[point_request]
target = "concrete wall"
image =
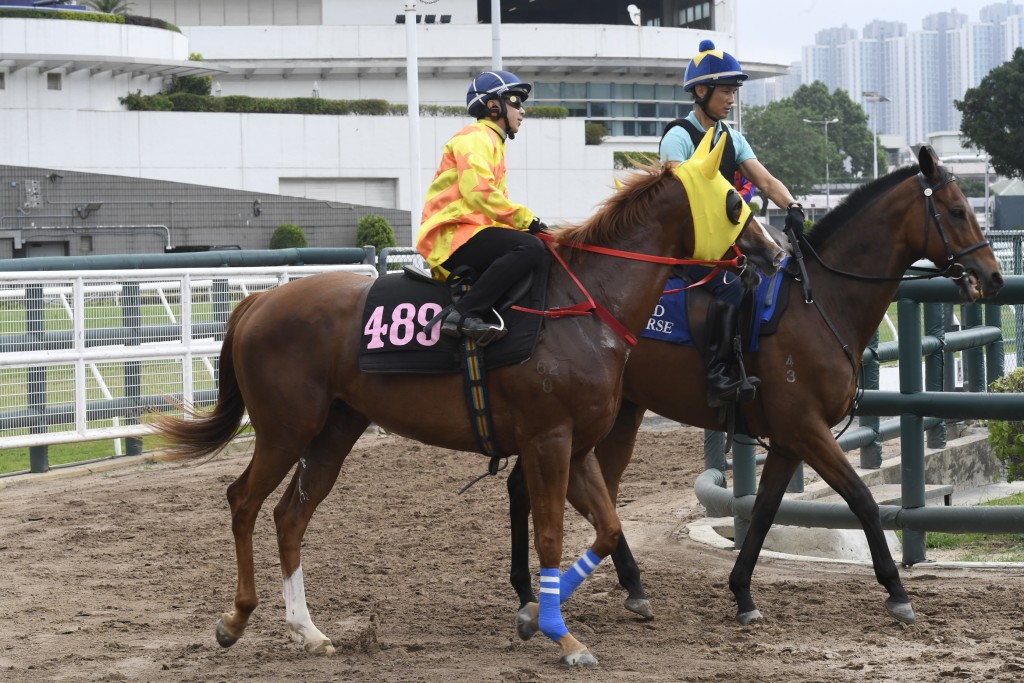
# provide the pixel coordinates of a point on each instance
(551, 170)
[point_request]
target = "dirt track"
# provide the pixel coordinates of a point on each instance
(121, 576)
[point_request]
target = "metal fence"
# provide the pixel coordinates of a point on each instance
(83, 354)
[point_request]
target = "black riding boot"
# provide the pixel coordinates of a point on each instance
(727, 379)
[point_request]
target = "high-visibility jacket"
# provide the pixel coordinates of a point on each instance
(468, 194)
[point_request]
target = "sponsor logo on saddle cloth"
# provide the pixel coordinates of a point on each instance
(714, 230)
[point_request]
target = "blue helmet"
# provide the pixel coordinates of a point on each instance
(712, 67)
(491, 84)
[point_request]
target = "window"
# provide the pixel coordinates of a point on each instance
(3, 81)
(53, 81)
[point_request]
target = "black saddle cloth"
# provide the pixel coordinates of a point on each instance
(398, 309)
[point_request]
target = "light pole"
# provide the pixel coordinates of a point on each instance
(825, 122)
(875, 98)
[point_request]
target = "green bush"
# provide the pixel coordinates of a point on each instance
(594, 133)
(547, 112)
(288, 236)
(375, 230)
(1007, 436)
(194, 85)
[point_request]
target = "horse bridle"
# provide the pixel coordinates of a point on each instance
(952, 269)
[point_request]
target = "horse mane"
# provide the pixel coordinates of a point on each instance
(621, 212)
(855, 202)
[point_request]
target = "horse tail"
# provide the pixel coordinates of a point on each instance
(207, 433)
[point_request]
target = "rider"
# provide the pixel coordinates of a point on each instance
(713, 77)
(468, 218)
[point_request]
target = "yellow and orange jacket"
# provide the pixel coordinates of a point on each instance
(468, 194)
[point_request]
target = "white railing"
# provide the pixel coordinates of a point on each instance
(84, 354)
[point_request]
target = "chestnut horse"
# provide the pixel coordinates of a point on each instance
(291, 359)
(857, 255)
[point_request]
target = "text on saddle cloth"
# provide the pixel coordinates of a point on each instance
(669, 322)
(395, 338)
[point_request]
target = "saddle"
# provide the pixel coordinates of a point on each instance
(761, 312)
(398, 336)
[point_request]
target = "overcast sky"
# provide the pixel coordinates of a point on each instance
(774, 32)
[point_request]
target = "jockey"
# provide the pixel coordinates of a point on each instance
(468, 219)
(713, 77)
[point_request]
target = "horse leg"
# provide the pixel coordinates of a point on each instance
(614, 453)
(775, 477)
(519, 521)
(546, 465)
(835, 469)
(313, 480)
(267, 469)
(588, 494)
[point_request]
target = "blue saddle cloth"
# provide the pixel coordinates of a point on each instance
(669, 323)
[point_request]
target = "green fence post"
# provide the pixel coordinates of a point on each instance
(871, 453)
(744, 483)
(974, 358)
(934, 363)
(994, 352)
(911, 434)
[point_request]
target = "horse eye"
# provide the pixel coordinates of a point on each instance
(958, 212)
(734, 206)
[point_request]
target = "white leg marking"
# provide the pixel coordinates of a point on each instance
(300, 626)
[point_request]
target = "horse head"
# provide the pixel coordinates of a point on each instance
(961, 248)
(720, 216)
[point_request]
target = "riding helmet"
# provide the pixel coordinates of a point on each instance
(491, 84)
(713, 67)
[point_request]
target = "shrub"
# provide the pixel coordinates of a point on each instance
(594, 133)
(288, 236)
(1007, 436)
(547, 112)
(195, 85)
(375, 230)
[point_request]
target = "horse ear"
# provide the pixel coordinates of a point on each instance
(711, 165)
(704, 148)
(928, 161)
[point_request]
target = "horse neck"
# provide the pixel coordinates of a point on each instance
(630, 288)
(877, 242)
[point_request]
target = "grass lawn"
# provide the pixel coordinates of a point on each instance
(982, 547)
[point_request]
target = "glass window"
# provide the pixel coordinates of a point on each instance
(644, 91)
(666, 110)
(599, 109)
(623, 109)
(622, 91)
(646, 109)
(648, 128)
(664, 92)
(576, 108)
(3, 84)
(53, 81)
(574, 91)
(600, 91)
(629, 128)
(546, 91)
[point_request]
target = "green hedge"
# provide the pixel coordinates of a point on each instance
(288, 236)
(99, 17)
(242, 104)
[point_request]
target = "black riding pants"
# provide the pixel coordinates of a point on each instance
(502, 257)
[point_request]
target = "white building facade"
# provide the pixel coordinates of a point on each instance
(624, 76)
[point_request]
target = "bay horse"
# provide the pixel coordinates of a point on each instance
(857, 255)
(290, 357)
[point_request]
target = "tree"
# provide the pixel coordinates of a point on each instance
(795, 152)
(993, 116)
(109, 6)
(288, 236)
(375, 230)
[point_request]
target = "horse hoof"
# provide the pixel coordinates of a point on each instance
(747, 617)
(583, 658)
(324, 647)
(901, 611)
(641, 606)
(223, 637)
(526, 621)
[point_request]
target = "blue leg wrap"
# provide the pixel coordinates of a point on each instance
(577, 574)
(549, 617)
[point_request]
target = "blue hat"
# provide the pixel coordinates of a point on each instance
(490, 84)
(712, 67)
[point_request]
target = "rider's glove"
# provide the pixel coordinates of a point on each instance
(536, 226)
(795, 219)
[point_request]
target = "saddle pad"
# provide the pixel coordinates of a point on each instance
(669, 322)
(399, 307)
